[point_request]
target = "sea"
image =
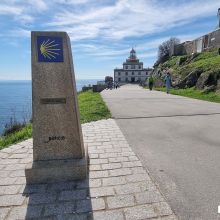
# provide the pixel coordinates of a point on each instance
(16, 100)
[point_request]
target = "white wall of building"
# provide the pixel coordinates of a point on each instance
(133, 67)
(123, 73)
(127, 76)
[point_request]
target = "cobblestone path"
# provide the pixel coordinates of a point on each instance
(117, 188)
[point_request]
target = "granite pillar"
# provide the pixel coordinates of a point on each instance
(58, 150)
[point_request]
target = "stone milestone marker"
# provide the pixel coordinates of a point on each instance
(58, 150)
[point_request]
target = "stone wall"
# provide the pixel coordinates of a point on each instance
(189, 47)
(203, 43)
(98, 88)
(178, 49)
(214, 39)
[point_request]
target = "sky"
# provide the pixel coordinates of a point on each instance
(102, 32)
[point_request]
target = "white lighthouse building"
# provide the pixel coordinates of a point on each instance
(132, 70)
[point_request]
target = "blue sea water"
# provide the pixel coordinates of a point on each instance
(16, 98)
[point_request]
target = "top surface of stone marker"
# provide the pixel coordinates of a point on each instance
(57, 130)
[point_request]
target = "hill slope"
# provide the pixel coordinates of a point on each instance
(201, 71)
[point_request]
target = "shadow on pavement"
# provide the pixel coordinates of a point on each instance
(63, 200)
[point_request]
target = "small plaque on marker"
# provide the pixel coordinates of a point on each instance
(53, 101)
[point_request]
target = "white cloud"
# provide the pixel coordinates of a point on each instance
(6, 10)
(24, 19)
(38, 4)
(22, 11)
(73, 2)
(120, 52)
(130, 18)
(116, 21)
(18, 33)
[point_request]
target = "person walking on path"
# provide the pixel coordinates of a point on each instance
(116, 85)
(168, 81)
(151, 82)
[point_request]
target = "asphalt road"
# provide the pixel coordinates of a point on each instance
(178, 141)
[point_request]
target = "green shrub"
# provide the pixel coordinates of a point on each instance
(182, 59)
(13, 126)
(12, 138)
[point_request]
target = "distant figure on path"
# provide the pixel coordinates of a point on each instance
(116, 85)
(168, 81)
(151, 83)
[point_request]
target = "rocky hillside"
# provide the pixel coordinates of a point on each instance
(201, 71)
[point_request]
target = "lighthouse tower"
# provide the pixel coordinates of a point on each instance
(133, 56)
(132, 70)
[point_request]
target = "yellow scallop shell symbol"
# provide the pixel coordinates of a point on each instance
(49, 49)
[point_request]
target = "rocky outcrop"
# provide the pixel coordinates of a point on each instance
(190, 80)
(209, 78)
(208, 89)
(202, 81)
(218, 85)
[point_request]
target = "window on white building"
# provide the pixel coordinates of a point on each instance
(139, 66)
(133, 67)
(126, 67)
(119, 73)
(126, 73)
(132, 73)
(119, 79)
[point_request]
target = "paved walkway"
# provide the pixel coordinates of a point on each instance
(177, 139)
(118, 188)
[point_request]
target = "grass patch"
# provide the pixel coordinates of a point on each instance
(23, 134)
(172, 62)
(193, 93)
(91, 108)
(210, 63)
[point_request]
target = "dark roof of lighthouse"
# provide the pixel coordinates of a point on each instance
(133, 51)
